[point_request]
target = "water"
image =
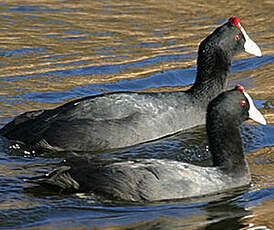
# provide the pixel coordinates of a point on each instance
(56, 51)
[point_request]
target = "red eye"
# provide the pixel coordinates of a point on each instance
(243, 102)
(237, 37)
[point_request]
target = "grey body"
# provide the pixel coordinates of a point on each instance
(146, 179)
(164, 180)
(126, 118)
(121, 119)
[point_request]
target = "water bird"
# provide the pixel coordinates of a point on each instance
(120, 119)
(142, 180)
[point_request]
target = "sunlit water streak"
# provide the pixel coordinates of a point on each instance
(55, 51)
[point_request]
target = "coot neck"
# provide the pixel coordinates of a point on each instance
(225, 145)
(213, 69)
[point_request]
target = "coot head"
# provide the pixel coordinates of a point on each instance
(231, 39)
(215, 55)
(225, 114)
(233, 107)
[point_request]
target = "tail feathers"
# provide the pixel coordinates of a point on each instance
(12, 126)
(59, 177)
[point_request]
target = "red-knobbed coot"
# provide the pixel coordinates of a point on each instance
(154, 179)
(120, 119)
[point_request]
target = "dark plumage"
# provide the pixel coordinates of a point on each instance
(154, 179)
(120, 119)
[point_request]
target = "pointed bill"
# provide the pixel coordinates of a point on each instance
(254, 113)
(250, 46)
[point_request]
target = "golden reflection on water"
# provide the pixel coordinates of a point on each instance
(262, 217)
(262, 173)
(69, 35)
(120, 24)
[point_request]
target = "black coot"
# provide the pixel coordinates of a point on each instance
(153, 179)
(120, 119)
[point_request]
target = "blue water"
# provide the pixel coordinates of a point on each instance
(54, 52)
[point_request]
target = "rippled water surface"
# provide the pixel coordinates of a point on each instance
(56, 51)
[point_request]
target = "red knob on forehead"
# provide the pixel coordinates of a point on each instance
(240, 88)
(235, 21)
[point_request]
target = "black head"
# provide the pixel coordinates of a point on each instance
(225, 114)
(230, 39)
(233, 107)
(215, 55)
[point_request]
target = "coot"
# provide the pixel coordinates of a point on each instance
(120, 119)
(153, 179)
